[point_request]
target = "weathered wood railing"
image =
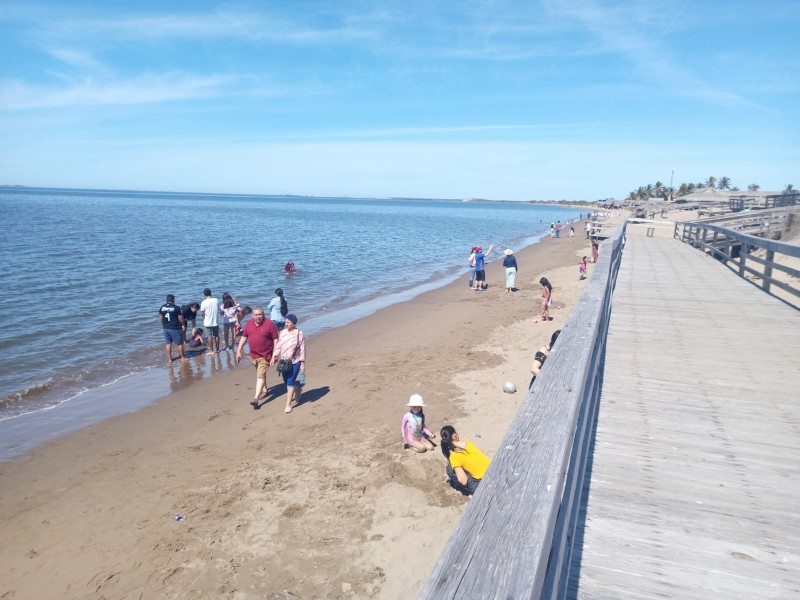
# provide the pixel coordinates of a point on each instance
(764, 223)
(515, 539)
(740, 252)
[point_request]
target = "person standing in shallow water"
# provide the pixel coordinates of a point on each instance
(173, 326)
(210, 311)
(510, 263)
(278, 309)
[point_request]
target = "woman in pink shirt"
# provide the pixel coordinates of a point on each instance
(291, 346)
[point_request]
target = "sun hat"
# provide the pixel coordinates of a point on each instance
(292, 317)
(415, 400)
(508, 252)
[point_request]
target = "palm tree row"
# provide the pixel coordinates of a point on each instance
(659, 190)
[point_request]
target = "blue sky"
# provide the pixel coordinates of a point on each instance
(550, 99)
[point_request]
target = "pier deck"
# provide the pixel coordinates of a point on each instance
(694, 488)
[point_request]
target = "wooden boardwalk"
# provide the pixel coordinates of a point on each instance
(694, 482)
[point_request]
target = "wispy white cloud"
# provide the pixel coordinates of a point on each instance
(79, 59)
(241, 25)
(16, 95)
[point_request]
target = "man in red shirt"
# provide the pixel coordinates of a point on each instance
(261, 335)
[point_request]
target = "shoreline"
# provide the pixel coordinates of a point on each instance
(319, 502)
(22, 433)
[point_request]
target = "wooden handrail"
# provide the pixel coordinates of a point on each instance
(515, 538)
(724, 241)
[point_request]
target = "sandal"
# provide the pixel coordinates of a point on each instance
(254, 403)
(288, 409)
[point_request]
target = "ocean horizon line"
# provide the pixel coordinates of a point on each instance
(15, 187)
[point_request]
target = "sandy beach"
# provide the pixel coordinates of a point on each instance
(320, 503)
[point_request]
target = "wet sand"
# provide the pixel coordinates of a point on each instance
(320, 503)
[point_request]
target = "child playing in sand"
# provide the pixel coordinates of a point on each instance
(582, 269)
(196, 339)
(415, 435)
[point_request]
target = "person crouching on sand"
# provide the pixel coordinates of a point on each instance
(466, 465)
(415, 435)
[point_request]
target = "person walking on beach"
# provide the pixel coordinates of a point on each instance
(582, 269)
(547, 298)
(558, 229)
(480, 267)
(471, 261)
(292, 347)
(510, 263)
(595, 252)
(278, 309)
(173, 326)
(261, 335)
(415, 435)
(588, 229)
(571, 232)
(210, 311)
(466, 465)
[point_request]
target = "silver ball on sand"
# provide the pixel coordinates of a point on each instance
(509, 387)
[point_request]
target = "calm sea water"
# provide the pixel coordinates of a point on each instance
(85, 272)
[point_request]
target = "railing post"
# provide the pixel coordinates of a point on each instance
(714, 244)
(768, 270)
(742, 255)
(705, 232)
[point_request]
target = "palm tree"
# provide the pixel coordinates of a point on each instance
(734, 189)
(724, 183)
(700, 185)
(789, 188)
(753, 187)
(711, 182)
(658, 189)
(649, 188)
(691, 187)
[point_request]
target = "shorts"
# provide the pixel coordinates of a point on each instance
(262, 366)
(291, 377)
(480, 275)
(467, 490)
(173, 336)
(228, 326)
(212, 331)
(278, 324)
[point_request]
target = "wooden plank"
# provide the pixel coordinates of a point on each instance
(692, 489)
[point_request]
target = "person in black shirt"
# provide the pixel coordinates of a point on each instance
(173, 326)
(189, 312)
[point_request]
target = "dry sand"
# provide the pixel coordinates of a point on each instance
(321, 503)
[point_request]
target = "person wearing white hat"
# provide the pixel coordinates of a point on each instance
(510, 263)
(415, 435)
